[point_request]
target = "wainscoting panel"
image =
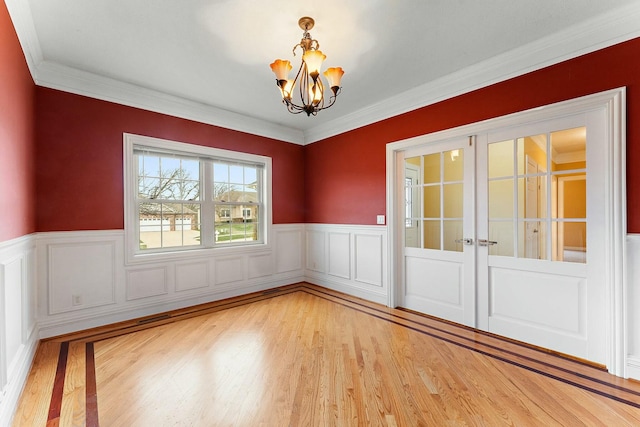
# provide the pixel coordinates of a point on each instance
(146, 282)
(229, 270)
(81, 275)
(260, 265)
(368, 259)
(348, 258)
(632, 298)
(289, 249)
(515, 295)
(316, 255)
(192, 275)
(339, 259)
(82, 269)
(18, 337)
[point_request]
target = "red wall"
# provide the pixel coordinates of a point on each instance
(345, 174)
(339, 180)
(79, 182)
(17, 207)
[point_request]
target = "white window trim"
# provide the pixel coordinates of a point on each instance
(132, 253)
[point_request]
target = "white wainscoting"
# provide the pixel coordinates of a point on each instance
(632, 299)
(83, 281)
(348, 258)
(18, 322)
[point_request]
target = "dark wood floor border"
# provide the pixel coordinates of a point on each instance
(91, 398)
(489, 336)
(603, 393)
(55, 405)
(347, 301)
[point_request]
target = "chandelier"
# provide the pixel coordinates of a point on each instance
(308, 81)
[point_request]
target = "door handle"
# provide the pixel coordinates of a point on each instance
(485, 242)
(466, 241)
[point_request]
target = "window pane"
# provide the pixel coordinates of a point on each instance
(431, 168)
(148, 188)
(237, 223)
(236, 174)
(431, 234)
(569, 149)
(149, 165)
(570, 241)
(169, 164)
(501, 232)
(220, 172)
(454, 165)
(164, 225)
(530, 242)
(452, 232)
(572, 194)
(412, 233)
(453, 199)
(501, 199)
(500, 160)
(432, 201)
(532, 154)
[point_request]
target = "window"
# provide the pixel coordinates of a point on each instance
(181, 197)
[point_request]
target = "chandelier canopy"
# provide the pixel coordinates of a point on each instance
(308, 81)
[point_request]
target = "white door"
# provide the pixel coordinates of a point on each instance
(503, 255)
(439, 272)
(541, 275)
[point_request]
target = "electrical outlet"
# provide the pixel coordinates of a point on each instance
(76, 299)
(380, 220)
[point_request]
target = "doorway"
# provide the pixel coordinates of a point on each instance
(518, 237)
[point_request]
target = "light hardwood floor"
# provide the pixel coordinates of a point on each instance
(303, 355)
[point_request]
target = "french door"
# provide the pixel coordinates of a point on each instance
(507, 230)
(439, 262)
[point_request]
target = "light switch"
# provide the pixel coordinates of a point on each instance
(380, 219)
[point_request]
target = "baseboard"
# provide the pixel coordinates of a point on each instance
(17, 380)
(76, 322)
(347, 288)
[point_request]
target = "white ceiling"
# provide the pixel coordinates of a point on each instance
(209, 60)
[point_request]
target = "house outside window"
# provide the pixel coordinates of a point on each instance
(182, 197)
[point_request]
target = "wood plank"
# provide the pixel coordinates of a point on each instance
(305, 355)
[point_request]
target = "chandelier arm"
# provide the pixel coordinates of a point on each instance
(332, 99)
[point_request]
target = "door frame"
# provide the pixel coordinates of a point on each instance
(613, 103)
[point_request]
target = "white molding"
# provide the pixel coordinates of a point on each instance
(80, 82)
(15, 370)
(632, 307)
(353, 284)
(614, 27)
(605, 30)
(152, 296)
(633, 367)
(17, 380)
(613, 103)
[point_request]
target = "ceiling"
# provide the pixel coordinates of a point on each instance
(209, 60)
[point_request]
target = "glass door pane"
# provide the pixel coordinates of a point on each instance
(537, 196)
(434, 207)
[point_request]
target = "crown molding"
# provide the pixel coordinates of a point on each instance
(605, 30)
(71, 80)
(20, 13)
